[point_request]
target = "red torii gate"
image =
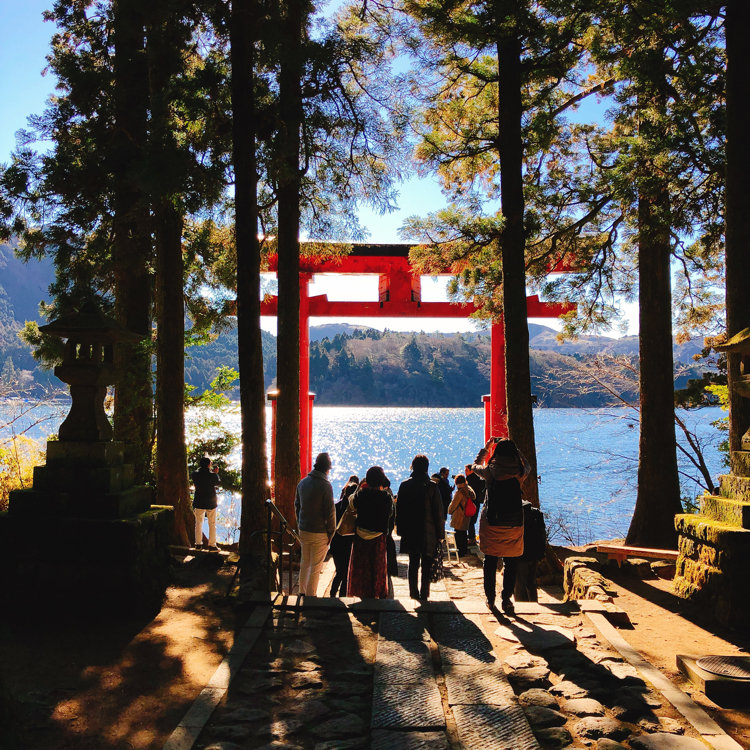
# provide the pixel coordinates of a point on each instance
(400, 296)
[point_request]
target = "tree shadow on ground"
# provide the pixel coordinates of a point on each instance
(307, 678)
(110, 681)
(611, 681)
(697, 614)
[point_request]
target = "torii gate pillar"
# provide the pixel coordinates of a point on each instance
(399, 295)
(495, 402)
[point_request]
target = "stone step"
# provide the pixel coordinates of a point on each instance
(726, 510)
(740, 463)
(737, 488)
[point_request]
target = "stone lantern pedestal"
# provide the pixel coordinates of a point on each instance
(713, 566)
(85, 537)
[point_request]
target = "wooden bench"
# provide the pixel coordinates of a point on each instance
(621, 552)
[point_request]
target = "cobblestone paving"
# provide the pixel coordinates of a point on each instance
(343, 678)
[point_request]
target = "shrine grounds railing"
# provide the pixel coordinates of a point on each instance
(284, 545)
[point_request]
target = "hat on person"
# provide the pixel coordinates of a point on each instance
(322, 462)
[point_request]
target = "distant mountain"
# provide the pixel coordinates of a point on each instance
(25, 284)
(351, 364)
(543, 338)
(329, 330)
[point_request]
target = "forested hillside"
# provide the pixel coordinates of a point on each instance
(361, 366)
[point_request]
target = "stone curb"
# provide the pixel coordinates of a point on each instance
(197, 716)
(708, 729)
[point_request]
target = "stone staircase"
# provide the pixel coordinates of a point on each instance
(713, 566)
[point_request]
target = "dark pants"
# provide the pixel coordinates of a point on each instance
(526, 581)
(473, 524)
(462, 543)
(415, 560)
(510, 566)
(341, 550)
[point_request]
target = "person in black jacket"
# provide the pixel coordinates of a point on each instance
(205, 480)
(420, 521)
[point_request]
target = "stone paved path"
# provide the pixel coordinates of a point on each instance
(396, 675)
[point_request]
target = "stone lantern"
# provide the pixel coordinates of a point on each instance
(740, 344)
(85, 533)
(88, 369)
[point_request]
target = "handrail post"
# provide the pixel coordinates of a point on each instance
(282, 524)
(269, 561)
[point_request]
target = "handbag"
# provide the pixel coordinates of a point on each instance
(470, 510)
(348, 523)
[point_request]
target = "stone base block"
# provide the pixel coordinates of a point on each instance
(99, 453)
(33, 503)
(713, 567)
(737, 488)
(80, 567)
(726, 510)
(83, 480)
(740, 463)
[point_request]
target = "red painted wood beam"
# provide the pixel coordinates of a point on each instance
(380, 259)
(321, 307)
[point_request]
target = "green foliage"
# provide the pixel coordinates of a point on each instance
(721, 392)
(18, 457)
(206, 435)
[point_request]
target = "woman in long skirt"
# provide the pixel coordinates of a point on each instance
(368, 571)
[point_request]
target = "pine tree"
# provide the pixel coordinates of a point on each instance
(503, 74)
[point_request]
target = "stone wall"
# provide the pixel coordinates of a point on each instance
(713, 566)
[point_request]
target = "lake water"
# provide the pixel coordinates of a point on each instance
(587, 459)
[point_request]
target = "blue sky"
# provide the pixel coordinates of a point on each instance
(24, 91)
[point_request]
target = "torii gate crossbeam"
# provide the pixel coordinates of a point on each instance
(400, 295)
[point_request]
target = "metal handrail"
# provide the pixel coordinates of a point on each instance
(272, 509)
(284, 528)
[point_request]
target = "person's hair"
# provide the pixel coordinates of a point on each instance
(420, 463)
(349, 489)
(444, 470)
(467, 468)
(375, 477)
(506, 448)
(205, 462)
(353, 479)
(460, 479)
(322, 462)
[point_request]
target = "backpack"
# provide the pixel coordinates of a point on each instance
(504, 502)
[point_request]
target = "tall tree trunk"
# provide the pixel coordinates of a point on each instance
(287, 469)
(171, 455)
(738, 206)
(132, 249)
(513, 250)
(249, 343)
(658, 498)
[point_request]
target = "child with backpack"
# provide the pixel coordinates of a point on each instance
(503, 468)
